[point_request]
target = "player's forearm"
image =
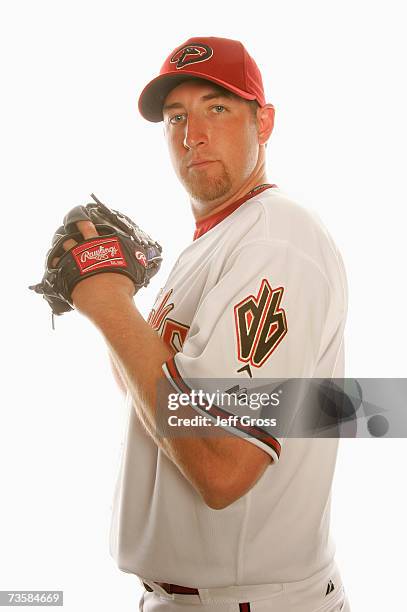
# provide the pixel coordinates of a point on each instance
(207, 463)
(117, 375)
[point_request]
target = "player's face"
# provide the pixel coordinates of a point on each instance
(212, 139)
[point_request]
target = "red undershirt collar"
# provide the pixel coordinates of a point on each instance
(205, 225)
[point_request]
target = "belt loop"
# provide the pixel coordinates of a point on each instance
(204, 596)
(154, 586)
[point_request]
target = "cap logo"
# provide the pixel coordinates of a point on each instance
(191, 54)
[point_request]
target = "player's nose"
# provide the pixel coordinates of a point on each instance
(195, 133)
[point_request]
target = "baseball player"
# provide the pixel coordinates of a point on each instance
(238, 521)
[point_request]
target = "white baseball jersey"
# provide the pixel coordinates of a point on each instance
(260, 292)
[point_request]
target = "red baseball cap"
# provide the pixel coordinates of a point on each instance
(220, 60)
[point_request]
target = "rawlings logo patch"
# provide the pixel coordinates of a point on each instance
(260, 325)
(191, 54)
(98, 253)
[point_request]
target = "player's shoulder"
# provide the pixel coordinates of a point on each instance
(281, 218)
(276, 227)
(285, 218)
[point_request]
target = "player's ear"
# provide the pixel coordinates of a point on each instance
(265, 122)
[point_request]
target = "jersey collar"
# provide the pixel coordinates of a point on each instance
(208, 223)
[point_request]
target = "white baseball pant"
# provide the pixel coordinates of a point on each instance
(322, 592)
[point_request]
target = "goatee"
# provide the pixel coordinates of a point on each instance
(203, 187)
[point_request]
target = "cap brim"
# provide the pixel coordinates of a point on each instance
(152, 97)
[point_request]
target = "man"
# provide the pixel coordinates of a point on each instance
(239, 519)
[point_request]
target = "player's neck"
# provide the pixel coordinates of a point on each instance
(202, 210)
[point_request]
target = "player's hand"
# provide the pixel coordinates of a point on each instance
(102, 290)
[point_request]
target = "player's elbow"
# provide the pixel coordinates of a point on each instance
(218, 498)
(226, 470)
(226, 490)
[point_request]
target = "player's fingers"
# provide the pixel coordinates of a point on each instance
(87, 229)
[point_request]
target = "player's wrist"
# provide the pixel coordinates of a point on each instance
(103, 294)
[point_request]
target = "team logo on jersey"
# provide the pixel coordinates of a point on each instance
(191, 54)
(260, 324)
(171, 331)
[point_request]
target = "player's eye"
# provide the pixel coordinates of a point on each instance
(219, 108)
(176, 119)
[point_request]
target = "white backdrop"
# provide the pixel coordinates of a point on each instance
(71, 73)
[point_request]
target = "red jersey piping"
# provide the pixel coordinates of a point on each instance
(205, 225)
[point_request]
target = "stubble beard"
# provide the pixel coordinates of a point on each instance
(203, 187)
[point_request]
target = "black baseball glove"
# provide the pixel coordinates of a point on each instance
(121, 247)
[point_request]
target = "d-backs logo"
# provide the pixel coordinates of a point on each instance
(191, 54)
(172, 332)
(260, 324)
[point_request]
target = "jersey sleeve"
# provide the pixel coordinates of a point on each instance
(263, 319)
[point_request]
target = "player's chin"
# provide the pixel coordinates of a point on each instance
(208, 193)
(207, 188)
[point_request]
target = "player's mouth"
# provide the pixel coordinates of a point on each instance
(200, 163)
